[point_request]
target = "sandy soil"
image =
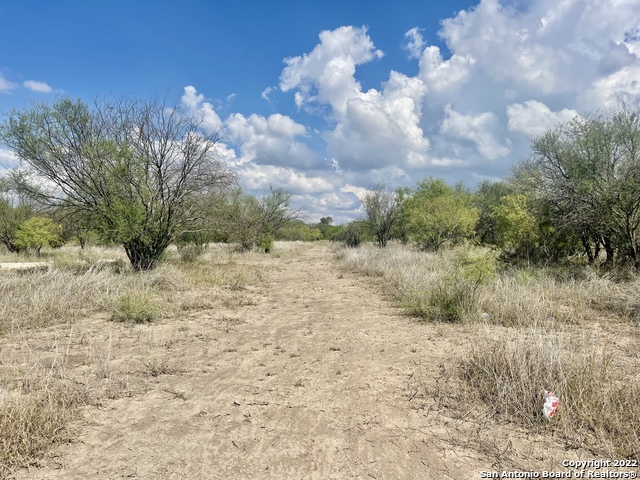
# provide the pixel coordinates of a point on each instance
(316, 375)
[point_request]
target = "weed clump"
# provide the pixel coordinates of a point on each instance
(137, 307)
(32, 421)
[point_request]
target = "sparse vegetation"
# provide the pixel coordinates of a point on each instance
(506, 371)
(33, 420)
(508, 375)
(37, 404)
(522, 266)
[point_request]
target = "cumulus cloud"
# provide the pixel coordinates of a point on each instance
(35, 86)
(326, 74)
(271, 141)
(372, 128)
(510, 70)
(196, 105)
(263, 150)
(259, 177)
(440, 75)
(533, 118)
(546, 47)
(480, 129)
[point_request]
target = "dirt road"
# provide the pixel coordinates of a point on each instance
(311, 379)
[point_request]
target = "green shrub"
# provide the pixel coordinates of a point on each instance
(455, 295)
(136, 307)
(266, 243)
(38, 232)
(353, 234)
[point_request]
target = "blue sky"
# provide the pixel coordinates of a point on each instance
(329, 98)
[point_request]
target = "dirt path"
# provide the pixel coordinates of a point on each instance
(311, 381)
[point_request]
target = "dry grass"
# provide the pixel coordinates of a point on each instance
(519, 296)
(532, 336)
(509, 374)
(37, 403)
(31, 423)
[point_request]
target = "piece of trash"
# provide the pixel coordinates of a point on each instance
(551, 404)
(485, 316)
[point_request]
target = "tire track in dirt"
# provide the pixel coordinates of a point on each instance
(311, 382)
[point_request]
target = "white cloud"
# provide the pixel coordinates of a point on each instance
(533, 118)
(415, 43)
(342, 207)
(439, 74)
(545, 47)
(326, 74)
(623, 83)
(480, 129)
(372, 128)
(271, 140)
(196, 105)
(359, 192)
(6, 86)
(35, 86)
(259, 177)
(266, 92)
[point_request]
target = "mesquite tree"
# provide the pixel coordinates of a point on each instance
(587, 173)
(382, 210)
(137, 169)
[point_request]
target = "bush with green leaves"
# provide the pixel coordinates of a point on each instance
(353, 234)
(438, 214)
(38, 232)
(13, 212)
(455, 295)
(138, 171)
(266, 243)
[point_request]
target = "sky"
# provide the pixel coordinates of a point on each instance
(327, 99)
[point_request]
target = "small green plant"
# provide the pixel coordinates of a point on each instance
(136, 307)
(299, 383)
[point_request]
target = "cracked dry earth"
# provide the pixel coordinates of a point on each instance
(311, 378)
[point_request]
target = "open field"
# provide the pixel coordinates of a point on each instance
(301, 364)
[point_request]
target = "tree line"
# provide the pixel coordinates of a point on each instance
(576, 194)
(144, 175)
